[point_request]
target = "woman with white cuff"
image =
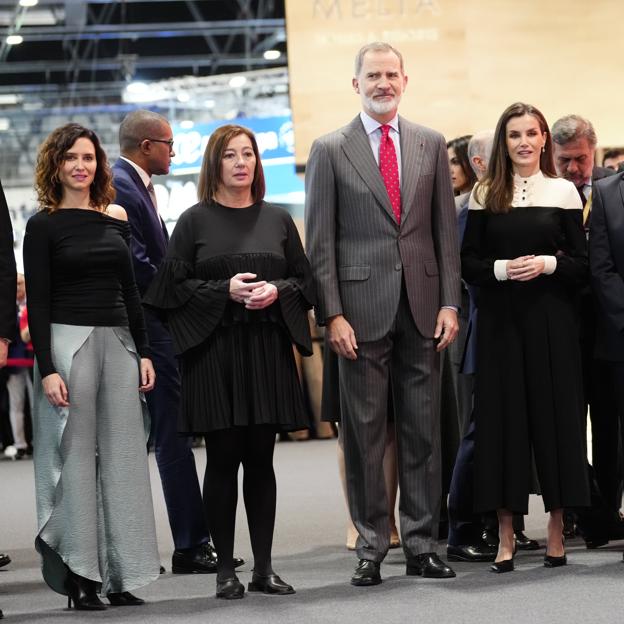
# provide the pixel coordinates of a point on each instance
(525, 249)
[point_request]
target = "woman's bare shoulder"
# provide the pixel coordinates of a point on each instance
(117, 212)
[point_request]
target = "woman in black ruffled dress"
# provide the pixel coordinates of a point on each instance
(525, 248)
(237, 287)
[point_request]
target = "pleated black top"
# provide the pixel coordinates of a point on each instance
(237, 364)
(79, 272)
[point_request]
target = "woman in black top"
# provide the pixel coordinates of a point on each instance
(237, 286)
(94, 506)
(524, 247)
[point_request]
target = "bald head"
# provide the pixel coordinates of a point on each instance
(138, 125)
(146, 139)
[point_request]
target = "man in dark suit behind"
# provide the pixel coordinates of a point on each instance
(606, 257)
(8, 285)
(146, 143)
(574, 142)
(381, 235)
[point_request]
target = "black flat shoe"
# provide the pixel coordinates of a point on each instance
(555, 562)
(428, 565)
(81, 592)
(471, 552)
(124, 599)
(4, 560)
(523, 542)
(230, 589)
(500, 567)
(271, 584)
(366, 573)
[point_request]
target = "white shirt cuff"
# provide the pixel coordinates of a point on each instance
(550, 264)
(500, 270)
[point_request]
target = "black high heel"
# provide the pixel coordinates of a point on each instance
(500, 567)
(506, 565)
(555, 562)
(82, 593)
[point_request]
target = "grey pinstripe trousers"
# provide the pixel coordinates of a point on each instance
(413, 365)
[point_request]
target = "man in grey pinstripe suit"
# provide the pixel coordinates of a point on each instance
(388, 291)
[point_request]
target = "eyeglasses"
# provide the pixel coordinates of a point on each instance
(169, 142)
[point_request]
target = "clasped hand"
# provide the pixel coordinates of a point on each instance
(525, 268)
(254, 295)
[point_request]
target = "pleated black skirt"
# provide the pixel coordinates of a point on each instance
(243, 374)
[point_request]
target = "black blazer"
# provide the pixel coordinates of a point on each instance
(7, 272)
(606, 257)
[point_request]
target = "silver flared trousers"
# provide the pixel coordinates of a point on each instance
(94, 501)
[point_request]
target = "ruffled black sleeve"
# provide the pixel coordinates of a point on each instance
(194, 307)
(296, 292)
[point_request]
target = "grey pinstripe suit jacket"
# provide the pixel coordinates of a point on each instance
(358, 251)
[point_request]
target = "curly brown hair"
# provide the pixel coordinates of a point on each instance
(50, 157)
(210, 173)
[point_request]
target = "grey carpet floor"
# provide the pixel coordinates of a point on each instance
(309, 552)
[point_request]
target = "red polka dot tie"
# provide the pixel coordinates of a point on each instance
(389, 168)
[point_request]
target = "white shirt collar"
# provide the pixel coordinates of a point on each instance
(145, 177)
(370, 124)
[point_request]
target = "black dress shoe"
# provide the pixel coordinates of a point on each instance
(524, 542)
(500, 567)
(81, 592)
(201, 560)
(428, 565)
(124, 599)
(162, 569)
(271, 584)
(230, 589)
(366, 573)
(1, 614)
(4, 560)
(490, 537)
(471, 552)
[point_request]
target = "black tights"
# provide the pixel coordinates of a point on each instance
(226, 449)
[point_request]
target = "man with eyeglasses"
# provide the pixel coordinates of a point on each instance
(146, 143)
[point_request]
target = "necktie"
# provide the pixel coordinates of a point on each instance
(389, 169)
(152, 194)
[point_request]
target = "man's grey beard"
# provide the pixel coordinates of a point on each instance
(381, 108)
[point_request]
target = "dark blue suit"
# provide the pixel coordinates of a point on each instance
(465, 527)
(174, 456)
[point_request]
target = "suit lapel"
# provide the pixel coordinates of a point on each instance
(621, 185)
(412, 150)
(358, 150)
